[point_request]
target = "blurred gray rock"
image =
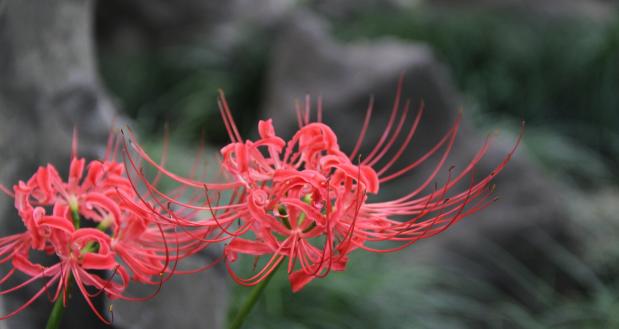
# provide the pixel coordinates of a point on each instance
(306, 60)
(186, 301)
(49, 86)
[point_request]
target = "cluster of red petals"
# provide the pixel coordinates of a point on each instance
(93, 229)
(306, 204)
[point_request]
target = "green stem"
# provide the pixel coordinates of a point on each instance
(251, 300)
(53, 322)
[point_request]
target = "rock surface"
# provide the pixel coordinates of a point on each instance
(49, 86)
(198, 300)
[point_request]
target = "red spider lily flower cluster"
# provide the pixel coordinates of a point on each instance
(94, 229)
(307, 204)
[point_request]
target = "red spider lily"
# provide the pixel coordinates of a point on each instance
(306, 202)
(128, 243)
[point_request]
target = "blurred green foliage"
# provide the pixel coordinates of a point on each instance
(180, 85)
(558, 73)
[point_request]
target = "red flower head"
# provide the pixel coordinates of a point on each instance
(127, 242)
(307, 203)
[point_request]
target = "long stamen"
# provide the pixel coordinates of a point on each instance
(394, 137)
(227, 113)
(390, 122)
(364, 128)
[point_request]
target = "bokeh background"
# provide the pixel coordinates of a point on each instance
(545, 256)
